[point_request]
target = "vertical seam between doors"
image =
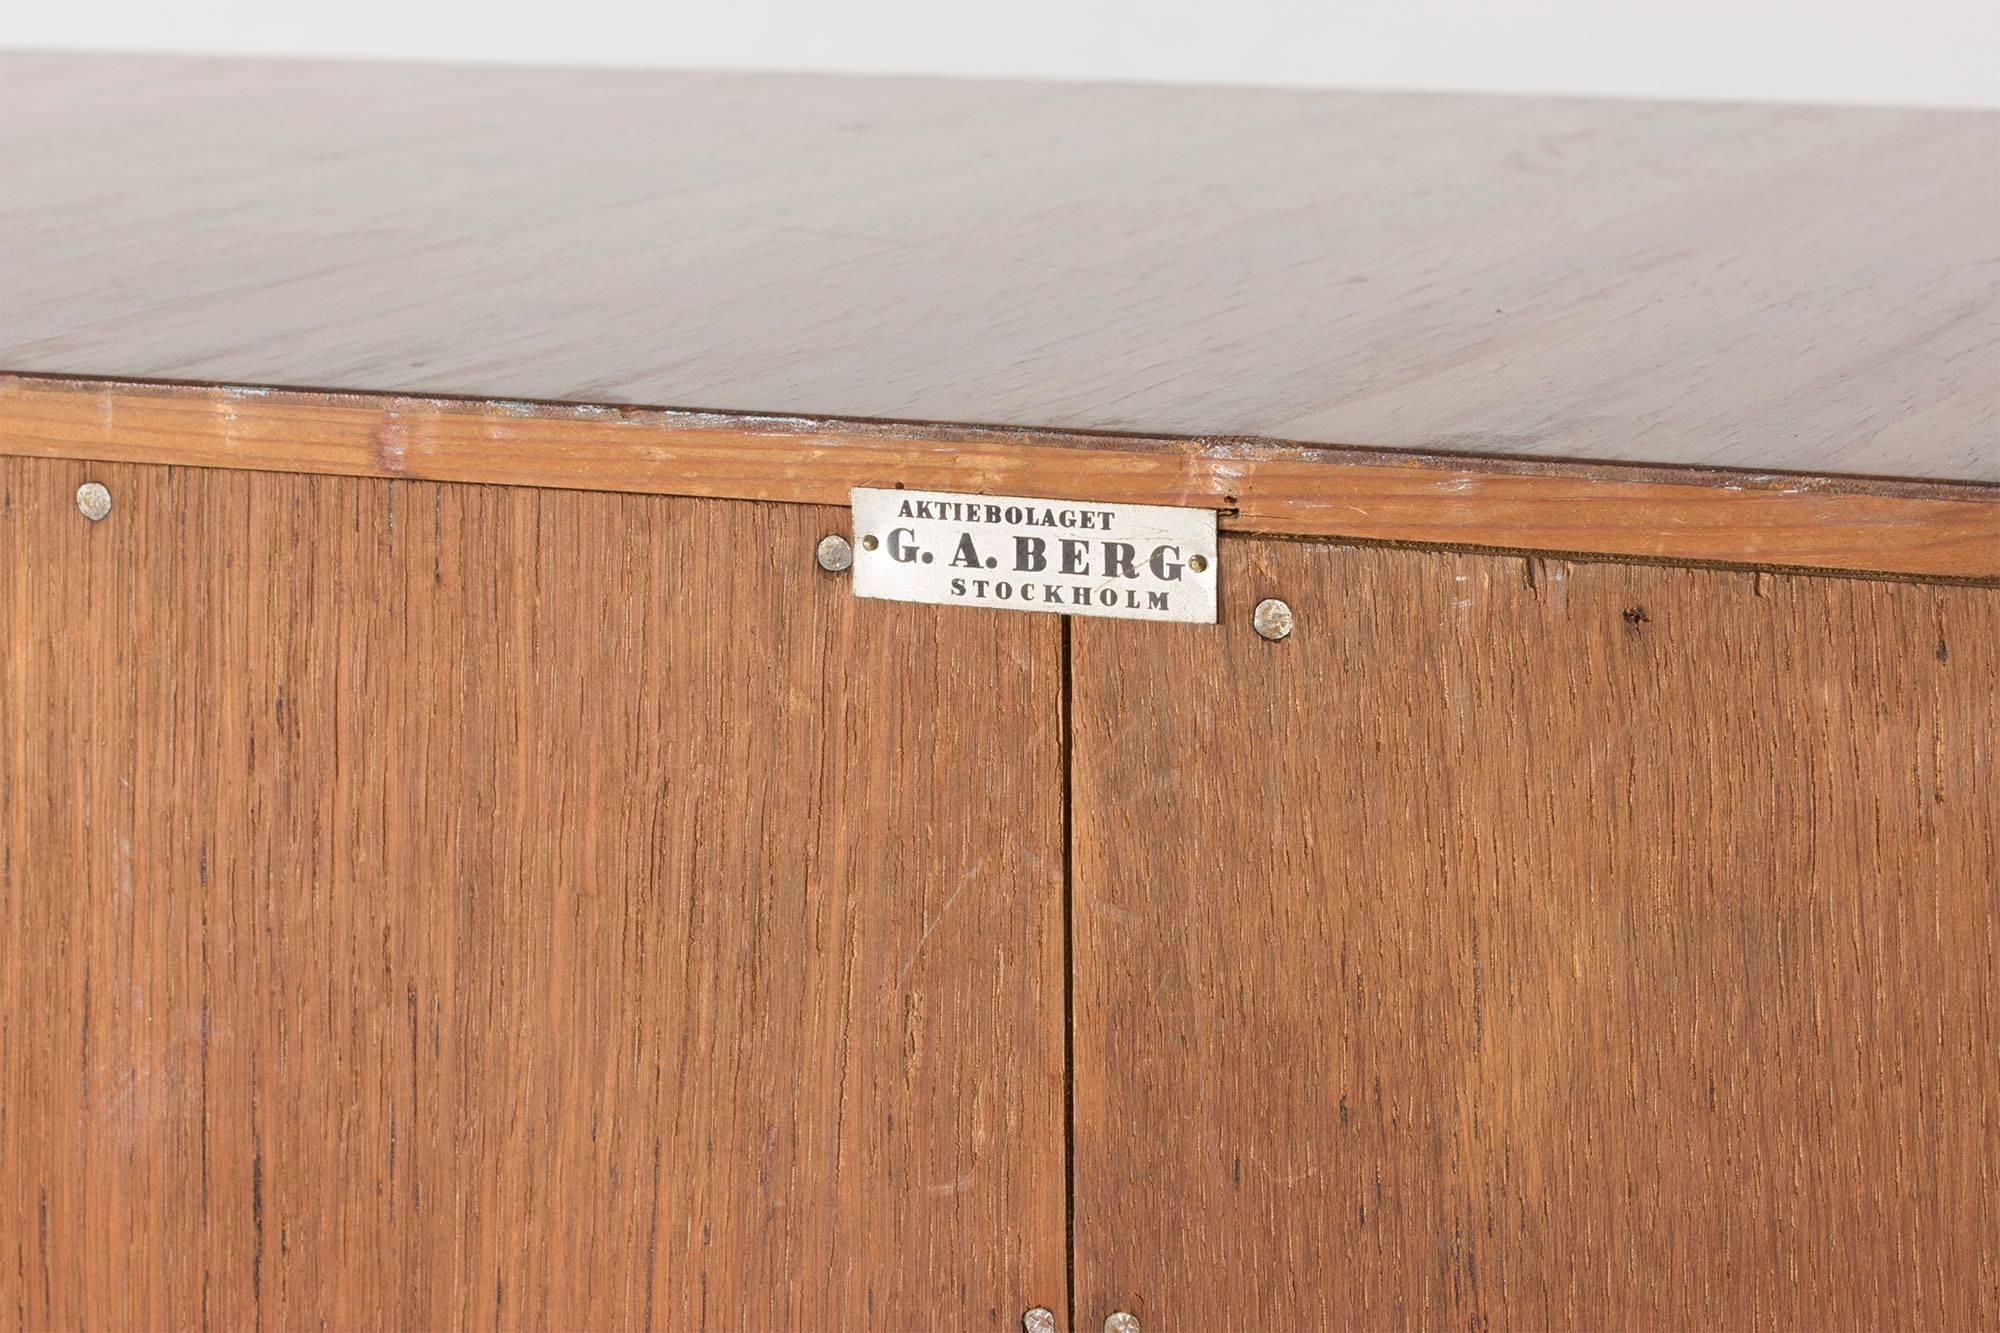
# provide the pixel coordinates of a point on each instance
(1069, 992)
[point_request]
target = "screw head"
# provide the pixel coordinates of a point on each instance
(1272, 619)
(1041, 1319)
(834, 554)
(1122, 1322)
(93, 501)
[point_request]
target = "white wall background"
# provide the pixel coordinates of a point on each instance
(1915, 52)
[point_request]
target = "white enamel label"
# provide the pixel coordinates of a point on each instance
(1012, 553)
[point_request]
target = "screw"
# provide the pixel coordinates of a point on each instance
(834, 554)
(1122, 1323)
(1198, 563)
(1272, 619)
(1039, 1320)
(93, 501)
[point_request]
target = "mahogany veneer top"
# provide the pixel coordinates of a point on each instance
(1764, 287)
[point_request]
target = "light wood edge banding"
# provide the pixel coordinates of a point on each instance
(1789, 521)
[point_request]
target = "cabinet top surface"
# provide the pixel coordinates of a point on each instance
(1774, 288)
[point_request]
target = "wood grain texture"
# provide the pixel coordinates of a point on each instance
(433, 906)
(1776, 288)
(1915, 528)
(1534, 945)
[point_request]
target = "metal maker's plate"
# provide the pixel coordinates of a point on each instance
(1012, 553)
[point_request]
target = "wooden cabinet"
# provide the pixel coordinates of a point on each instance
(465, 863)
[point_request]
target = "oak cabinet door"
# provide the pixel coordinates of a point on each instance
(1531, 944)
(432, 905)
